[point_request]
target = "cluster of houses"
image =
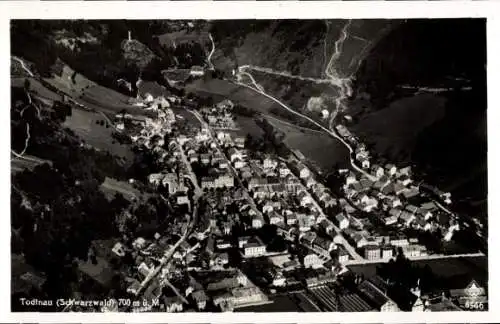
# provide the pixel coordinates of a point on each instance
(287, 196)
(146, 255)
(397, 200)
(230, 289)
(220, 116)
(392, 194)
(149, 132)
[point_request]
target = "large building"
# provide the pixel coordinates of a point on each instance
(376, 297)
(254, 247)
(312, 260)
(372, 252)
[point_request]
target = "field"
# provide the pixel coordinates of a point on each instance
(221, 89)
(111, 186)
(393, 130)
(84, 124)
(183, 36)
(294, 92)
(36, 88)
(90, 94)
(153, 88)
(247, 126)
(186, 116)
(27, 162)
(320, 148)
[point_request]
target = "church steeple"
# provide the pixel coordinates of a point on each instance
(418, 305)
(416, 291)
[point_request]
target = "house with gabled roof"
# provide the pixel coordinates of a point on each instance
(342, 221)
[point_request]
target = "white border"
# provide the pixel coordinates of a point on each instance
(262, 10)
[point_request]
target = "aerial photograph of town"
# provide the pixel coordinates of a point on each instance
(248, 165)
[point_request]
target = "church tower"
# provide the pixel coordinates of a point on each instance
(418, 305)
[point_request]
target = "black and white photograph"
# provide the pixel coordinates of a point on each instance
(277, 165)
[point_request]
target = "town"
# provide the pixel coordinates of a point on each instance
(172, 190)
(259, 224)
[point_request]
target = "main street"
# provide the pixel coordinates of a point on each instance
(246, 194)
(344, 242)
(191, 222)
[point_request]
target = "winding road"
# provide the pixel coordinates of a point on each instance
(326, 130)
(30, 73)
(209, 59)
(24, 67)
(344, 84)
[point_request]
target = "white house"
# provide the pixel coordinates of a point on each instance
(235, 154)
(391, 169)
(304, 172)
(197, 71)
(342, 221)
(118, 249)
(379, 172)
(257, 222)
(312, 260)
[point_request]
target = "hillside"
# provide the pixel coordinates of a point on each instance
(80, 45)
(442, 133)
(297, 48)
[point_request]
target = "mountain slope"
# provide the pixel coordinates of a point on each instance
(446, 129)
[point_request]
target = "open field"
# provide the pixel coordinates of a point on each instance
(84, 124)
(186, 116)
(111, 186)
(320, 148)
(393, 130)
(90, 94)
(183, 36)
(153, 88)
(222, 89)
(36, 87)
(247, 126)
(26, 162)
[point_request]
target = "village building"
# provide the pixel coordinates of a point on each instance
(312, 260)
(377, 297)
(372, 252)
(254, 247)
(342, 221)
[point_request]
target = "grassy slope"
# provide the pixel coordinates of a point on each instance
(446, 140)
(83, 123)
(394, 130)
(320, 148)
